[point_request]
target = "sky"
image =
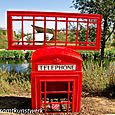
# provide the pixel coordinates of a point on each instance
(35, 5)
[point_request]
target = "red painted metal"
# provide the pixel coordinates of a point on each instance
(56, 85)
(83, 26)
(56, 77)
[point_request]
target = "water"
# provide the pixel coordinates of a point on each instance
(15, 67)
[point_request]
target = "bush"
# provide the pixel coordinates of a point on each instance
(28, 55)
(113, 44)
(13, 83)
(96, 79)
(15, 55)
(109, 91)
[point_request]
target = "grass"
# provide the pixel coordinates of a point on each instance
(96, 80)
(13, 83)
(3, 39)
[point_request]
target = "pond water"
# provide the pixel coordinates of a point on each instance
(15, 67)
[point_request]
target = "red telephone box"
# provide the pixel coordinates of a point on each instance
(56, 77)
(56, 74)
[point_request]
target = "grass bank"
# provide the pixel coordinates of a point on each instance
(96, 81)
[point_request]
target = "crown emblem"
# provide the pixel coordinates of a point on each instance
(57, 61)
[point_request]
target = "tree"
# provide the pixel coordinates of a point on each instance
(104, 7)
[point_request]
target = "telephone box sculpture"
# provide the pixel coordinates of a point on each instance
(56, 77)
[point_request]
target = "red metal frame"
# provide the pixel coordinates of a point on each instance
(87, 21)
(48, 85)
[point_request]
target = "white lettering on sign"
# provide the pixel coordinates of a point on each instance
(56, 67)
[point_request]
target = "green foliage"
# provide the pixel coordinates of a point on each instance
(113, 44)
(13, 83)
(96, 79)
(109, 91)
(72, 36)
(104, 7)
(3, 39)
(93, 55)
(110, 54)
(7, 54)
(4, 54)
(3, 32)
(20, 55)
(28, 55)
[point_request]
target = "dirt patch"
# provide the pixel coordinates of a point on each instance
(89, 105)
(97, 106)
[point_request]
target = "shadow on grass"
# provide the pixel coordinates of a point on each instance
(11, 102)
(109, 92)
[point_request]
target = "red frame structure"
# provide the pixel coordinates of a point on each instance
(56, 77)
(87, 21)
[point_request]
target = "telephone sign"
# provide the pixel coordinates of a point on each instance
(56, 67)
